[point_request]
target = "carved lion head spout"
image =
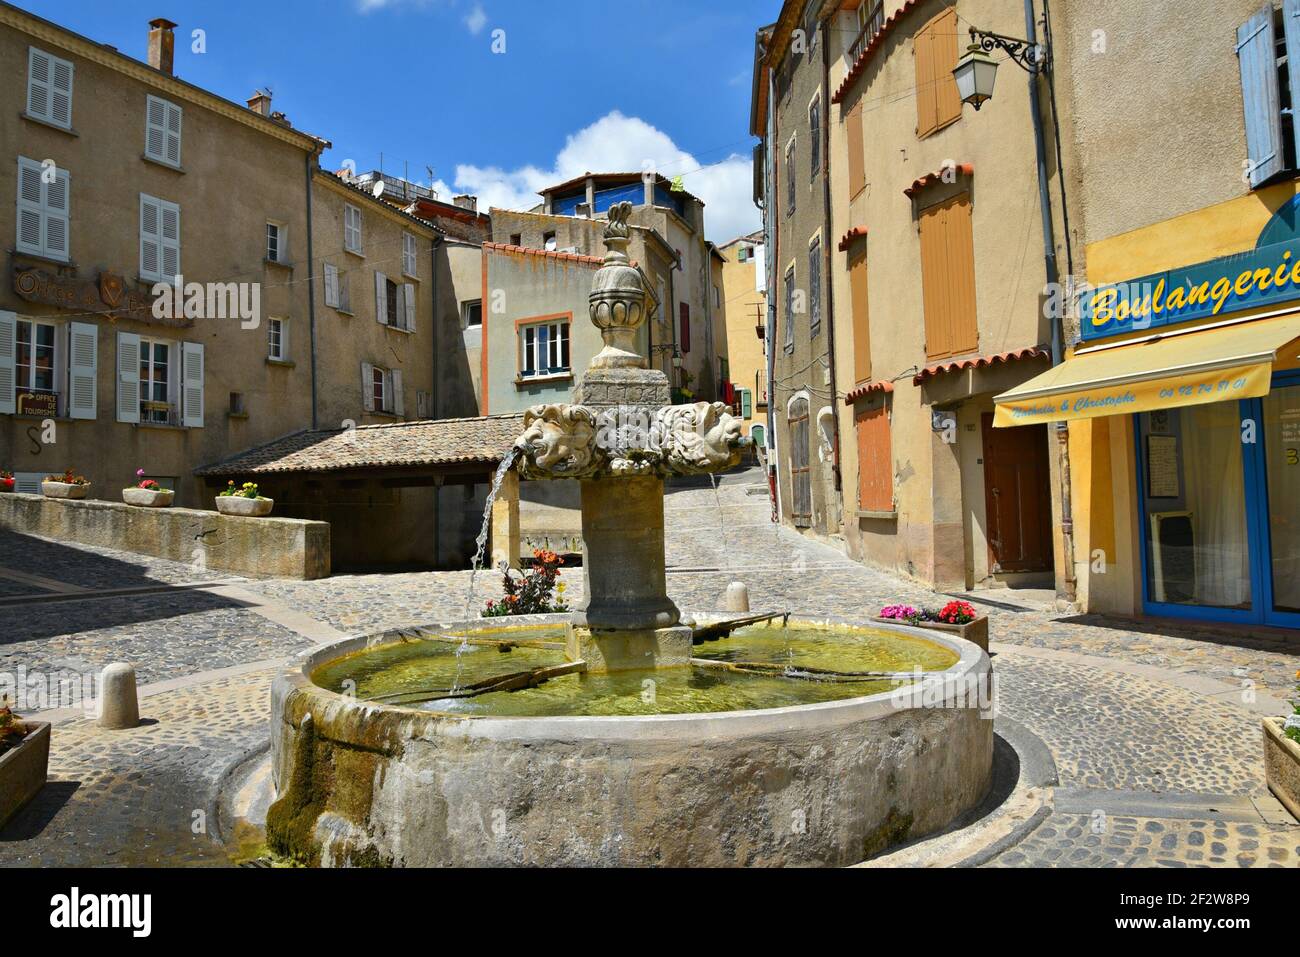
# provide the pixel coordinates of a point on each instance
(703, 437)
(558, 439)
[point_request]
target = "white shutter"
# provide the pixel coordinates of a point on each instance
(171, 240)
(331, 285)
(128, 377)
(352, 229)
(367, 387)
(31, 208)
(28, 482)
(56, 215)
(8, 327)
(381, 297)
(173, 134)
(399, 406)
(408, 254)
(60, 92)
(1261, 95)
(408, 296)
(150, 237)
(38, 83)
(83, 348)
(192, 385)
(155, 127)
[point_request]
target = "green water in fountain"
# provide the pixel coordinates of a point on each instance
(420, 673)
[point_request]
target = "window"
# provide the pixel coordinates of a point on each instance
(160, 239)
(394, 303)
(548, 241)
(352, 229)
(815, 137)
(276, 243)
(861, 325)
(472, 314)
(34, 356)
(42, 210)
(277, 339)
(408, 255)
(875, 458)
(717, 297)
(516, 239)
(155, 404)
(336, 288)
(789, 177)
(948, 278)
(381, 389)
(742, 254)
(855, 145)
(935, 49)
(49, 88)
(237, 403)
(544, 349)
(685, 312)
(789, 309)
(815, 287)
(162, 131)
(1267, 44)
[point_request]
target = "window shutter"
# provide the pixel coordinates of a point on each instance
(155, 127)
(28, 482)
(875, 460)
(331, 285)
(192, 386)
(399, 321)
(173, 137)
(83, 348)
(686, 326)
(408, 254)
(31, 208)
(368, 387)
(38, 83)
(856, 147)
(1291, 28)
(1261, 95)
(60, 92)
(948, 279)
(56, 215)
(171, 239)
(861, 318)
(399, 405)
(381, 297)
(150, 237)
(345, 297)
(8, 331)
(408, 295)
(128, 377)
(352, 228)
(926, 102)
(746, 404)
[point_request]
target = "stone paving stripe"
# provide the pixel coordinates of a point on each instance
(296, 621)
(38, 581)
(1175, 806)
(83, 594)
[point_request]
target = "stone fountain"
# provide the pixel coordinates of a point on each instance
(611, 736)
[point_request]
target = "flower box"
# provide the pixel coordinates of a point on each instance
(1282, 765)
(6, 485)
(64, 489)
(246, 507)
(976, 631)
(148, 497)
(23, 769)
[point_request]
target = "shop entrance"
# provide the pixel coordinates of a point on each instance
(1018, 498)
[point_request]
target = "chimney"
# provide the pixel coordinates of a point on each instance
(160, 44)
(260, 102)
(465, 201)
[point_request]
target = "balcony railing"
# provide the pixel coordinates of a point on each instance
(158, 413)
(874, 23)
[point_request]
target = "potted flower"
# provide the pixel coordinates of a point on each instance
(243, 500)
(6, 481)
(956, 617)
(1282, 755)
(67, 485)
(24, 760)
(147, 493)
(535, 591)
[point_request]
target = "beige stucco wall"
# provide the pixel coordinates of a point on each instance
(744, 309)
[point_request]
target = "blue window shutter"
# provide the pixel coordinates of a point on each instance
(746, 404)
(1256, 43)
(1291, 29)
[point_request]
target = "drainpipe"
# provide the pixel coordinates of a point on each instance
(435, 325)
(770, 228)
(311, 291)
(830, 276)
(1053, 279)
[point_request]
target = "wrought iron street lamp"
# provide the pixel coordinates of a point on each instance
(977, 71)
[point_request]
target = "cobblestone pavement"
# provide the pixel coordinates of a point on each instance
(1114, 730)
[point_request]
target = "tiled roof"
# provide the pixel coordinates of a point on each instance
(981, 362)
(551, 254)
(857, 232)
(959, 169)
(429, 442)
(866, 389)
(876, 42)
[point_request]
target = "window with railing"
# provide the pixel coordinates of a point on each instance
(871, 20)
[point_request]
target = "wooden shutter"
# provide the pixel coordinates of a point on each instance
(856, 147)
(8, 336)
(31, 207)
(399, 403)
(60, 92)
(352, 228)
(367, 387)
(162, 130)
(381, 297)
(170, 239)
(408, 290)
(83, 349)
(948, 278)
(128, 377)
(56, 215)
(935, 50)
(800, 472)
(861, 323)
(686, 326)
(408, 254)
(331, 285)
(1291, 30)
(875, 459)
(814, 287)
(192, 384)
(49, 88)
(746, 404)
(1261, 95)
(150, 237)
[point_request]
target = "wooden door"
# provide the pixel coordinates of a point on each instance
(1018, 498)
(800, 474)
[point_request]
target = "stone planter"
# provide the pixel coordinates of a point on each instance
(976, 632)
(64, 490)
(1282, 765)
(148, 497)
(23, 769)
(247, 507)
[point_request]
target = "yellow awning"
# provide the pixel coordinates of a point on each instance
(1159, 372)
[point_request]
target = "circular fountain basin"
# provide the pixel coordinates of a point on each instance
(749, 757)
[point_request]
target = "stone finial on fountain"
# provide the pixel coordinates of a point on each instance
(617, 303)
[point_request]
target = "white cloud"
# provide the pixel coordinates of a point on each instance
(616, 144)
(476, 20)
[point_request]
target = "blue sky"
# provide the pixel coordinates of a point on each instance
(582, 84)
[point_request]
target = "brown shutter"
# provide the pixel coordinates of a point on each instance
(926, 103)
(861, 327)
(948, 278)
(857, 165)
(875, 460)
(935, 50)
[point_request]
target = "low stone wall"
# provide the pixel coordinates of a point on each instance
(256, 547)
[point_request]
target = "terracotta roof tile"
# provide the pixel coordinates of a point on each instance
(857, 232)
(550, 253)
(961, 169)
(980, 362)
(862, 391)
(869, 51)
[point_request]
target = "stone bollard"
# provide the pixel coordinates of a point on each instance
(737, 597)
(118, 706)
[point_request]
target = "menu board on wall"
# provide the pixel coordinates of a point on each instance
(1162, 466)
